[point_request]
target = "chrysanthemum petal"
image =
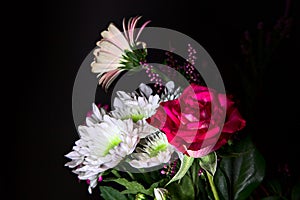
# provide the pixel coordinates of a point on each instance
(102, 146)
(155, 151)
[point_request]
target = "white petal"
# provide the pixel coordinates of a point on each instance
(104, 67)
(145, 89)
(110, 47)
(115, 35)
(170, 85)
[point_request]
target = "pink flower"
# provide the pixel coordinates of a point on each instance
(111, 58)
(199, 121)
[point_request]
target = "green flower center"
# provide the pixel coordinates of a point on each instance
(113, 142)
(134, 117)
(156, 149)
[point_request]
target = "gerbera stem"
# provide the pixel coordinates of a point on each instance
(212, 186)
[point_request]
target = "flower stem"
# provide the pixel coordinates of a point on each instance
(130, 174)
(212, 185)
(116, 173)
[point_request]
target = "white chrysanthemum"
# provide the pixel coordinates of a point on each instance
(96, 116)
(102, 146)
(134, 107)
(118, 51)
(155, 151)
(144, 129)
(170, 93)
(137, 108)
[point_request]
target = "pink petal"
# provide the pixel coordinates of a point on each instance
(234, 123)
(200, 153)
(124, 29)
(141, 29)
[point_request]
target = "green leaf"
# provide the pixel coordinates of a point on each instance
(150, 191)
(221, 184)
(175, 192)
(243, 173)
(182, 190)
(187, 187)
(131, 196)
(186, 163)
(133, 187)
(296, 192)
(194, 169)
(209, 163)
(109, 193)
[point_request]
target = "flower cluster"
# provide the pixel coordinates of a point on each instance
(165, 129)
(120, 135)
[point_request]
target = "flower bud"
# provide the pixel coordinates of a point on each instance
(140, 196)
(160, 194)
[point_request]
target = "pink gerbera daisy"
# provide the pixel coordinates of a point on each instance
(118, 51)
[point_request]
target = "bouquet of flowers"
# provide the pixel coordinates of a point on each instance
(172, 137)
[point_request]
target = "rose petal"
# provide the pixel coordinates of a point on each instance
(234, 122)
(201, 152)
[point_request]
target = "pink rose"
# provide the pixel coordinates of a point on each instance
(199, 121)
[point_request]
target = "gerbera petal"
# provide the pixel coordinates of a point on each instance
(141, 29)
(100, 50)
(132, 27)
(106, 57)
(104, 67)
(129, 30)
(109, 46)
(124, 29)
(109, 77)
(115, 35)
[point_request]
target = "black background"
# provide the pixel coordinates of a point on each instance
(52, 39)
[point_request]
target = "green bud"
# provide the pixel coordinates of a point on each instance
(160, 194)
(140, 196)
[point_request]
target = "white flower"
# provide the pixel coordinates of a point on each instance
(137, 108)
(170, 93)
(160, 193)
(118, 51)
(134, 107)
(102, 146)
(96, 116)
(144, 129)
(145, 90)
(155, 151)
